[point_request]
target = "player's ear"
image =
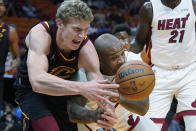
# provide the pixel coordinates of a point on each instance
(101, 62)
(59, 23)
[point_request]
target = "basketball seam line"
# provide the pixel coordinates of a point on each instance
(142, 65)
(141, 90)
(134, 78)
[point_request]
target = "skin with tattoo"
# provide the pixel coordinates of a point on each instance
(111, 55)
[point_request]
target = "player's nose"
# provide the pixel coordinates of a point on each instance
(82, 34)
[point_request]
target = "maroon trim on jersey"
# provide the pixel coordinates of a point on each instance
(46, 123)
(75, 57)
(133, 123)
(45, 26)
(158, 120)
(83, 42)
(88, 127)
(179, 116)
(149, 46)
(165, 126)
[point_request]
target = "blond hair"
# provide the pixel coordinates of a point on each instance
(74, 9)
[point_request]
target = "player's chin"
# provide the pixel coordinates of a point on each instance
(117, 67)
(75, 46)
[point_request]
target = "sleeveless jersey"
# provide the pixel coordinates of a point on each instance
(59, 65)
(173, 35)
(4, 46)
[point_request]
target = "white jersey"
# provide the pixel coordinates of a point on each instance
(173, 35)
(132, 56)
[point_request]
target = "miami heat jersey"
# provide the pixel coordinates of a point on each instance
(173, 35)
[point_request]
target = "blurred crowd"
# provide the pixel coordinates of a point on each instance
(10, 118)
(107, 13)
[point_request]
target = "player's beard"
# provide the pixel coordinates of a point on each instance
(171, 3)
(117, 67)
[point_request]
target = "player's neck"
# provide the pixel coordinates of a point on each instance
(171, 3)
(59, 43)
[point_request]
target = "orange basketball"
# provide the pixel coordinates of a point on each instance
(136, 80)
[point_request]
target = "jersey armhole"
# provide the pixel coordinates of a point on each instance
(46, 25)
(86, 39)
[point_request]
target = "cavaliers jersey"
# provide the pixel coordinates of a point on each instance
(59, 65)
(173, 35)
(4, 46)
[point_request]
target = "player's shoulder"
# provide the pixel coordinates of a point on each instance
(146, 12)
(146, 8)
(87, 48)
(39, 29)
(194, 2)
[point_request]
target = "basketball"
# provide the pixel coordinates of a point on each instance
(136, 80)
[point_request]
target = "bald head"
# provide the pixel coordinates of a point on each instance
(106, 41)
(111, 53)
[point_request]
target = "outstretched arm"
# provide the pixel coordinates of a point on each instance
(143, 28)
(38, 41)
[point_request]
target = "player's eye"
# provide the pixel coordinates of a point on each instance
(114, 58)
(77, 29)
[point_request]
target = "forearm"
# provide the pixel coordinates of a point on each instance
(94, 76)
(138, 107)
(78, 113)
(16, 61)
(135, 47)
(48, 84)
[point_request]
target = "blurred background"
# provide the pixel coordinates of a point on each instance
(23, 14)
